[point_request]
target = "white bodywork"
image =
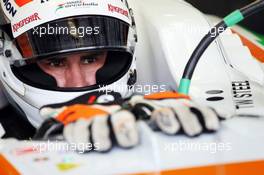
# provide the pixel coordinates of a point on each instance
(168, 33)
(155, 154)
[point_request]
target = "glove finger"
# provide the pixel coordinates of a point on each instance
(166, 121)
(188, 120)
(81, 135)
(101, 134)
(68, 133)
(124, 128)
(208, 118)
(81, 132)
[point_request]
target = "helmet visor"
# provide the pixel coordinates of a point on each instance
(74, 53)
(71, 35)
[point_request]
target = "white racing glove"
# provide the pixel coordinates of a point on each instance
(107, 124)
(173, 113)
(100, 125)
(104, 131)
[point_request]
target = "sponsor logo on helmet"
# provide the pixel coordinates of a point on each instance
(75, 4)
(25, 21)
(21, 3)
(9, 8)
(115, 9)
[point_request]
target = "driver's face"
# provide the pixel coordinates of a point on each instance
(77, 70)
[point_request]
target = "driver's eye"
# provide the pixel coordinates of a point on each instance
(56, 62)
(88, 59)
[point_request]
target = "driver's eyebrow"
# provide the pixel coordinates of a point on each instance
(54, 59)
(92, 55)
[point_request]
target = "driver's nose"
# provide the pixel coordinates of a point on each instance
(76, 76)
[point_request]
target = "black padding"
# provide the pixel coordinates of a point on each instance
(116, 66)
(199, 116)
(201, 119)
(48, 128)
(32, 75)
(90, 139)
(139, 110)
(84, 99)
(15, 125)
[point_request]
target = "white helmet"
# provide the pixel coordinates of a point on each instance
(37, 30)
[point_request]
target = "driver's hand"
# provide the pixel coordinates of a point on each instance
(173, 113)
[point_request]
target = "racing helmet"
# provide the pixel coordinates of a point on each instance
(36, 32)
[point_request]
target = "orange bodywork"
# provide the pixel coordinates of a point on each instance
(244, 168)
(255, 50)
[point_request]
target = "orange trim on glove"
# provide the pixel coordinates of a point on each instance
(166, 95)
(75, 112)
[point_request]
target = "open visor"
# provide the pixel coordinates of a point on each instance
(72, 35)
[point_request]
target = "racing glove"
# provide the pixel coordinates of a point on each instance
(101, 125)
(174, 113)
(105, 124)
